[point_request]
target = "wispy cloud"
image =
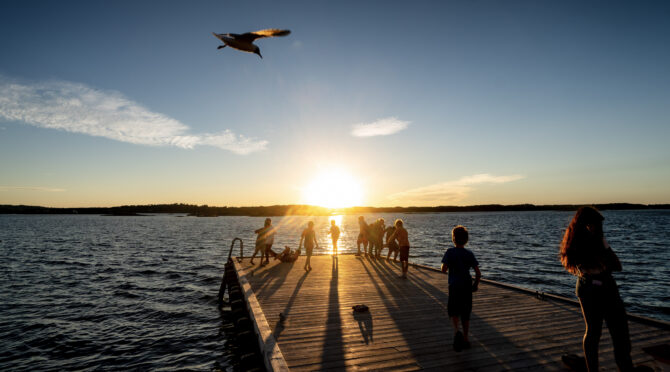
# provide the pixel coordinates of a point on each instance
(77, 108)
(381, 127)
(30, 188)
(450, 191)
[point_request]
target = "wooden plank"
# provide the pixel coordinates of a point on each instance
(407, 327)
(272, 356)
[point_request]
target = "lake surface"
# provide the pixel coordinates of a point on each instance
(99, 292)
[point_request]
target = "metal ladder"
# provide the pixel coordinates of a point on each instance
(229, 270)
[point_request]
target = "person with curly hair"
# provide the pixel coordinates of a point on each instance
(585, 253)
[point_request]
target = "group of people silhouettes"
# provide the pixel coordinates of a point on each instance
(584, 252)
(373, 237)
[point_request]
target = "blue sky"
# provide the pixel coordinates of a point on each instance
(468, 102)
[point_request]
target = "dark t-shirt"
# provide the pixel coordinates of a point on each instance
(459, 261)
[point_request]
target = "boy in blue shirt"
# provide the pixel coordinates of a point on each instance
(458, 261)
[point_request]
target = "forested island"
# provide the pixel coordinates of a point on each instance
(301, 210)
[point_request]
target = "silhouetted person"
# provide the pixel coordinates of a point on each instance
(334, 235)
(269, 233)
(392, 245)
(309, 238)
(375, 238)
(263, 235)
(585, 253)
(458, 261)
(362, 236)
(372, 227)
(287, 255)
(400, 234)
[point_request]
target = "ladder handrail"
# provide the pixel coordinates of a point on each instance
(232, 245)
(229, 269)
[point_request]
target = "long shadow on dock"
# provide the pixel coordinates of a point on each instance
(419, 312)
(510, 330)
(273, 278)
(334, 348)
(279, 327)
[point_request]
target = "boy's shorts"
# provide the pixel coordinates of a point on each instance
(404, 253)
(460, 301)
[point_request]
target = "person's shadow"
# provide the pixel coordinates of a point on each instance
(365, 325)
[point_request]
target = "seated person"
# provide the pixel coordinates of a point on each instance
(287, 255)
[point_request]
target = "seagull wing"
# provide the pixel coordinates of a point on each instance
(270, 32)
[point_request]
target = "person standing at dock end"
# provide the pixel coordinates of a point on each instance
(334, 235)
(261, 240)
(309, 238)
(391, 244)
(362, 236)
(400, 234)
(269, 233)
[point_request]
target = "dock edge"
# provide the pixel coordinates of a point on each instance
(272, 355)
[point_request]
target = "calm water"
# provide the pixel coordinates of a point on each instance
(97, 292)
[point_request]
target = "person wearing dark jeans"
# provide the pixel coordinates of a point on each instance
(600, 300)
(584, 252)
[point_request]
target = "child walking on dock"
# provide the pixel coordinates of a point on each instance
(458, 261)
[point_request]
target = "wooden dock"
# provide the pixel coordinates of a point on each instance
(407, 327)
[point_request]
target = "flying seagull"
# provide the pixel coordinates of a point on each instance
(245, 42)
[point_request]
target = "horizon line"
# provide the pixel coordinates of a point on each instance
(527, 205)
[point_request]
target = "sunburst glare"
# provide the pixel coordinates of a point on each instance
(333, 189)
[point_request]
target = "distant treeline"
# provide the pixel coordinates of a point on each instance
(304, 210)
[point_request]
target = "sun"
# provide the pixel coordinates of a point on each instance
(333, 189)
